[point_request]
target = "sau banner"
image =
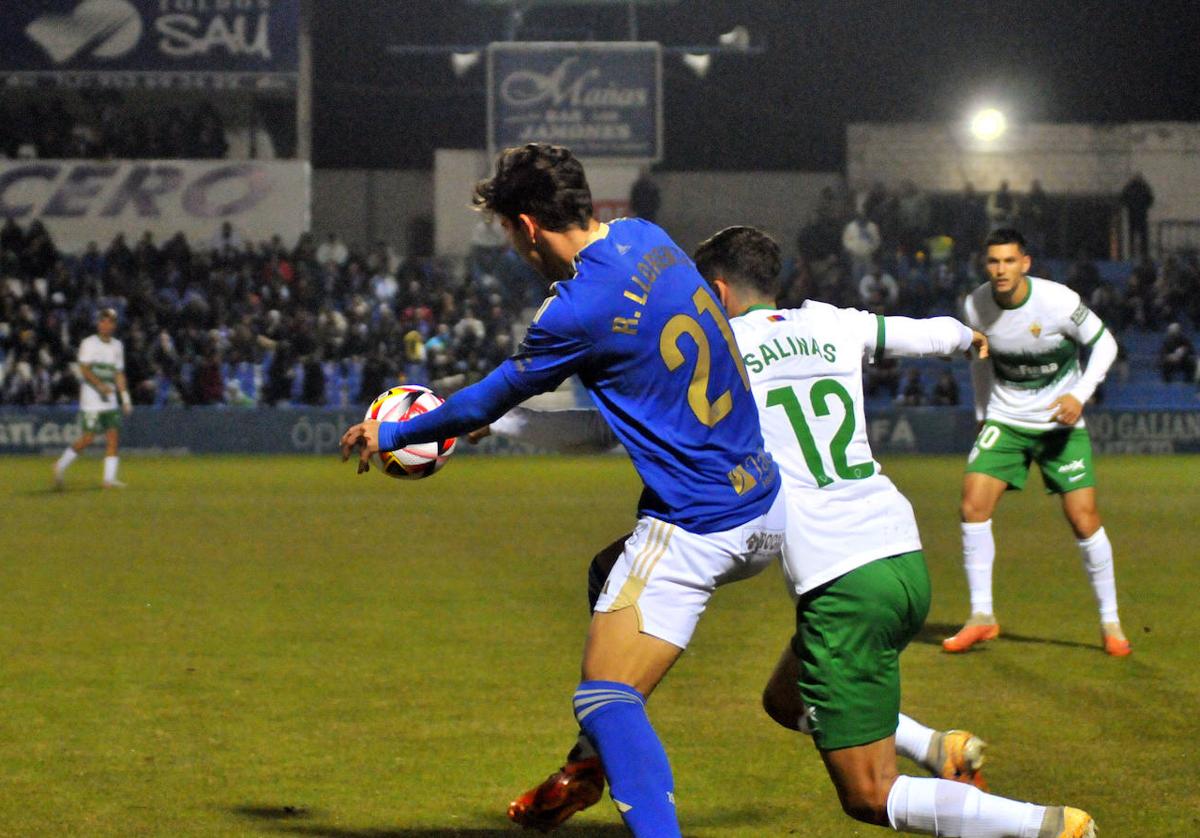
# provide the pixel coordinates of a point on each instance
(201, 44)
(601, 100)
(92, 200)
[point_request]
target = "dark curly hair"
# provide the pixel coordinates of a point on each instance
(541, 180)
(744, 256)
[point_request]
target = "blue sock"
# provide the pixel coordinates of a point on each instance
(613, 715)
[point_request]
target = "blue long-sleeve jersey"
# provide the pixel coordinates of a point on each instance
(652, 345)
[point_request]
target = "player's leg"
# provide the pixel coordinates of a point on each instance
(644, 619)
(89, 423)
(1067, 470)
(950, 754)
(869, 615)
(999, 460)
(579, 783)
(111, 439)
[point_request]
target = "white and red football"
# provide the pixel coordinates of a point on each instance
(412, 462)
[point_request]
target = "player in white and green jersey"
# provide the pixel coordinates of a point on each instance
(852, 553)
(103, 397)
(1029, 398)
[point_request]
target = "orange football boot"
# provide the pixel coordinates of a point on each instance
(1115, 642)
(978, 629)
(960, 758)
(571, 789)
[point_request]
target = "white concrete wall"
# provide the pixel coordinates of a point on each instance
(1067, 158)
(367, 205)
(697, 204)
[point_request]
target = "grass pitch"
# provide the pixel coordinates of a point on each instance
(272, 646)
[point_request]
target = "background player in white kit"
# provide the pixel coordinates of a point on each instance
(103, 397)
(1029, 396)
(852, 552)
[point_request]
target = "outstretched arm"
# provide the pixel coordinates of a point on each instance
(575, 430)
(1068, 408)
(469, 408)
(910, 337)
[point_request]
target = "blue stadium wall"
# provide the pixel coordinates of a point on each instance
(316, 431)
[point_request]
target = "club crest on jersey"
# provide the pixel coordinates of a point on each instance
(1036, 329)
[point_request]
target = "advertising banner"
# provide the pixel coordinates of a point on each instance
(318, 431)
(191, 44)
(602, 100)
(93, 200)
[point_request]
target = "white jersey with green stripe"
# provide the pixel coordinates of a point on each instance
(805, 368)
(1034, 350)
(105, 358)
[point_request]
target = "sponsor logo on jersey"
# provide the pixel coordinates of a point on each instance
(1036, 329)
(1079, 314)
(1074, 465)
(764, 542)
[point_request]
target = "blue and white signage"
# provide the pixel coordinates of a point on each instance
(602, 100)
(204, 44)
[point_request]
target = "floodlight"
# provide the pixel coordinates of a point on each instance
(737, 38)
(988, 124)
(697, 63)
(462, 62)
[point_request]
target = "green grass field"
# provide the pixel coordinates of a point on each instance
(260, 646)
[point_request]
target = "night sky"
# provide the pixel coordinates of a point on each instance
(826, 63)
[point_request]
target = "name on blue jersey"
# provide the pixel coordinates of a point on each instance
(777, 350)
(650, 266)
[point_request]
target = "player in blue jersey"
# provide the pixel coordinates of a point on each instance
(629, 314)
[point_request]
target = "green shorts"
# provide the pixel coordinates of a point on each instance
(849, 635)
(95, 421)
(1064, 456)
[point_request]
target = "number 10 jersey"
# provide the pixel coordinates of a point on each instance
(805, 368)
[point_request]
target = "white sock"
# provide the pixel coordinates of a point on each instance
(110, 469)
(1097, 555)
(913, 739)
(979, 552)
(64, 462)
(942, 807)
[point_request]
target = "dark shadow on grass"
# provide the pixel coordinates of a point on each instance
(272, 813)
(932, 634)
(50, 491)
(284, 821)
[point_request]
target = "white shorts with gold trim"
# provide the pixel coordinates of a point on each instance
(668, 573)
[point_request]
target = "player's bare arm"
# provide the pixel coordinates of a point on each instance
(979, 345)
(91, 378)
(365, 437)
(1067, 409)
(123, 394)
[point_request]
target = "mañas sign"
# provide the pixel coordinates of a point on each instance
(601, 100)
(205, 44)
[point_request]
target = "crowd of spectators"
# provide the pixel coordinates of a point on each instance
(194, 316)
(101, 126)
(229, 320)
(911, 253)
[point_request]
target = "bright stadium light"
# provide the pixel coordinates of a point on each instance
(988, 124)
(462, 62)
(698, 63)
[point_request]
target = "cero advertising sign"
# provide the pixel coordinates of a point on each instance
(206, 44)
(603, 100)
(90, 200)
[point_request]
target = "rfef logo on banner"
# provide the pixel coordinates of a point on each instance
(152, 43)
(603, 100)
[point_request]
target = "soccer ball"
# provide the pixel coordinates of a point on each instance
(413, 461)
